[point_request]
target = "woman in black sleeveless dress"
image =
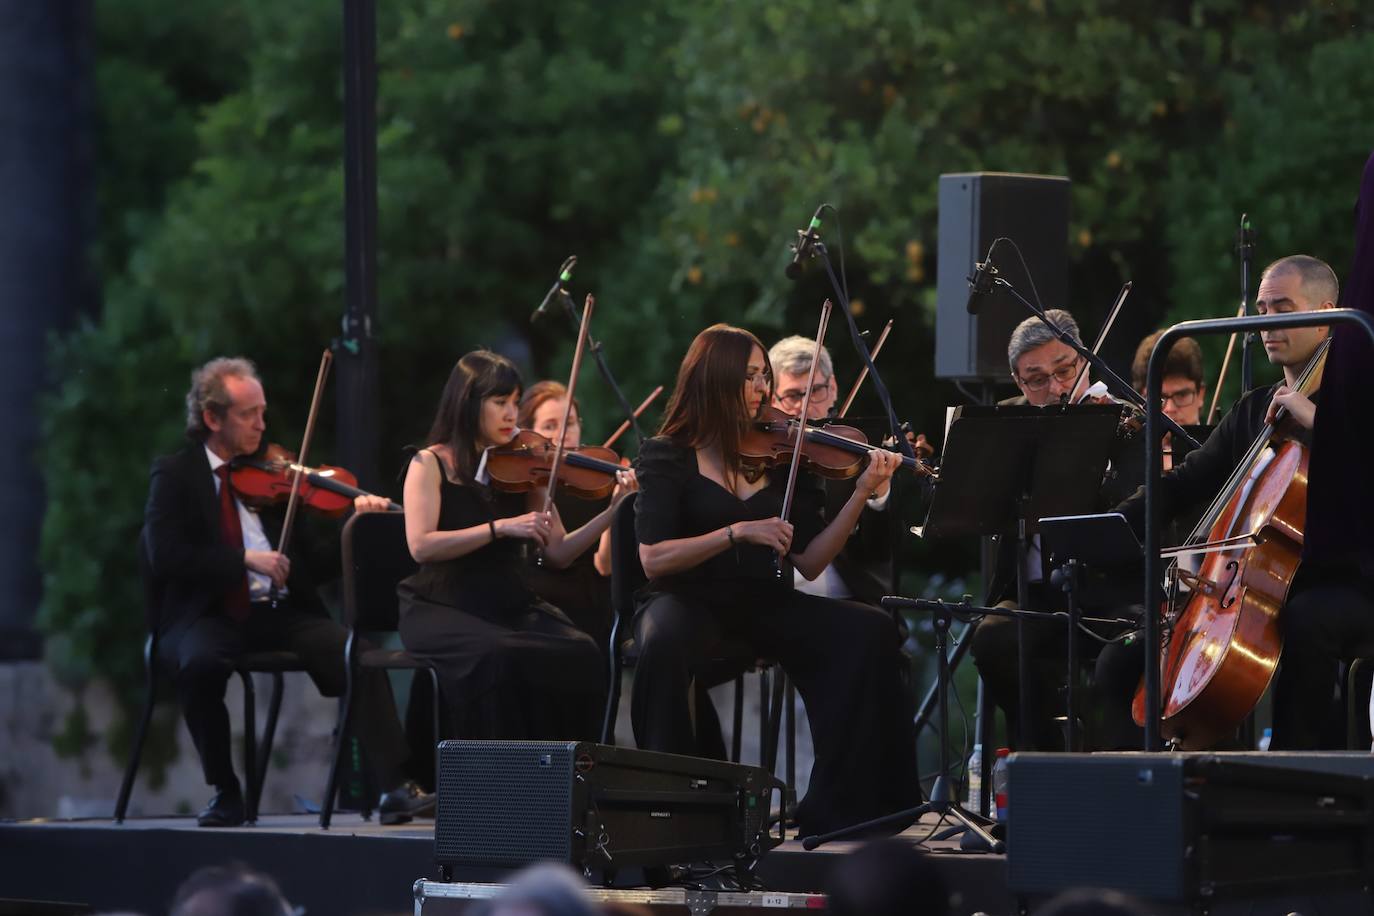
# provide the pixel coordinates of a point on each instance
(511, 666)
(708, 536)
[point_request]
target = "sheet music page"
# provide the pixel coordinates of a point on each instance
(919, 530)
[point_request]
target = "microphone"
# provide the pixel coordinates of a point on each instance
(564, 275)
(802, 249)
(980, 285)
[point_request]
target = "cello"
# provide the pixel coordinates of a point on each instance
(1221, 641)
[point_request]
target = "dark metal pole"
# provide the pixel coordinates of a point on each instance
(48, 227)
(1154, 462)
(355, 349)
(1245, 246)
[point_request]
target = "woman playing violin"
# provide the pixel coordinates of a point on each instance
(515, 665)
(709, 537)
(582, 589)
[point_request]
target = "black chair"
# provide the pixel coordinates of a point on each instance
(375, 558)
(734, 661)
(1357, 704)
(255, 754)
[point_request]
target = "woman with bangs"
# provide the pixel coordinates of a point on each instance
(709, 530)
(511, 666)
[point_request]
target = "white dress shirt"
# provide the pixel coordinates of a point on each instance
(829, 584)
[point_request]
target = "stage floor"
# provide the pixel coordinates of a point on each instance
(355, 867)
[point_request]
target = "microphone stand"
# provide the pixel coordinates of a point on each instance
(1245, 244)
(594, 347)
(817, 249)
(1104, 372)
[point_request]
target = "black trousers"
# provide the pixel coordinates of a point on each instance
(844, 658)
(201, 657)
(994, 651)
(1328, 618)
(528, 675)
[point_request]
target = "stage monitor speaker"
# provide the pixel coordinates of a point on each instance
(596, 807)
(975, 209)
(1192, 828)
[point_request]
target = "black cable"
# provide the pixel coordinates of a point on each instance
(933, 830)
(1020, 257)
(1107, 640)
(962, 766)
(839, 232)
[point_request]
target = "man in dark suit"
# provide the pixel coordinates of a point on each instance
(1048, 372)
(853, 574)
(216, 572)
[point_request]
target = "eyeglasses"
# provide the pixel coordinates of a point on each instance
(1063, 375)
(794, 397)
(1181, 398)
(759, 379)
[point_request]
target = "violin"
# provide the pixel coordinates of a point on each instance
(833, 451)
(1132, 417)
(587, 472)
(264, 480)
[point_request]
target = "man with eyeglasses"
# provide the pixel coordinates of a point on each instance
(1044, 367)
(852, 574)
(1048, 372)
(1184, 390)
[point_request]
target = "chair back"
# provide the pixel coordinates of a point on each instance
(375, 558)
(627, 575)
(153, 587)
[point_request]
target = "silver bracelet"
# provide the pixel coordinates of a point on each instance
(730, 533)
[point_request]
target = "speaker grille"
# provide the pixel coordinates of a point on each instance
(504, 802)
(1083, 821)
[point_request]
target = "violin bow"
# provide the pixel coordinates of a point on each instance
(620, 431)
(1225, 365)
(863, 373)
(326, 360)
(567, 407)
(1102, 334)
(801, 424)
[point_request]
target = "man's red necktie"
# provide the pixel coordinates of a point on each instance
(236, 603)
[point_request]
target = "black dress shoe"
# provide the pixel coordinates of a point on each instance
(404, 802)
(224, 810)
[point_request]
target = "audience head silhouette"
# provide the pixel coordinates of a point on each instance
(229, 890)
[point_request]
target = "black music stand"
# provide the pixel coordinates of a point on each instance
(1005, 467)
(1096, 557)
(1002, 467)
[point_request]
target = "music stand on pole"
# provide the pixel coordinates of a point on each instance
(1094, 554)
(1003, 467)
(1011, 466)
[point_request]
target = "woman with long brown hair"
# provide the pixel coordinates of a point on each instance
(709, 530)
(512, 665)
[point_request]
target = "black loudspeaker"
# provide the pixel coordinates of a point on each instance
(596, 807)
(1195, 829)
(975, 209)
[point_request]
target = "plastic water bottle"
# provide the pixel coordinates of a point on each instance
(999, 782)
(1265, 739)
(974, 778)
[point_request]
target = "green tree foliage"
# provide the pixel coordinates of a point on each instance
(505, 139)
(674, 148)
